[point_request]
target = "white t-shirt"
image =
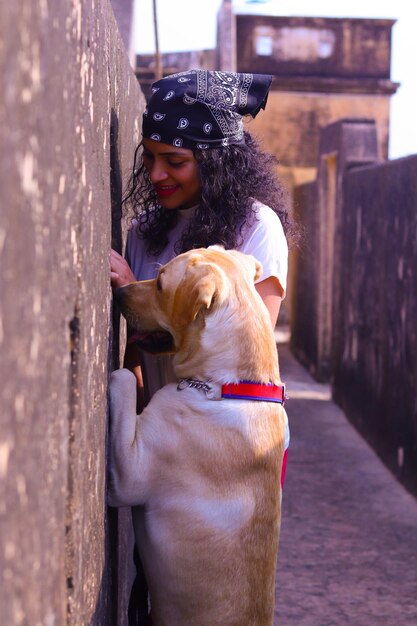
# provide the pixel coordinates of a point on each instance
(264, 238)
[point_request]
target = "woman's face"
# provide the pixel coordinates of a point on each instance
(173, 173)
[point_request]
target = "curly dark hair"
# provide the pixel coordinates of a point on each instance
(232, 177)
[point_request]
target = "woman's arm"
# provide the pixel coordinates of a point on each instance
(271, 293)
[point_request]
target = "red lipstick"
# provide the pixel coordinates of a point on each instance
(164, 192)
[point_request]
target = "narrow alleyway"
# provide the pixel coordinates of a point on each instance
(348, 550)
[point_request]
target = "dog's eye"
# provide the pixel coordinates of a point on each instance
(158, 284)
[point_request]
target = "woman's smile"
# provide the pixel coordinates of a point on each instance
(164, 191)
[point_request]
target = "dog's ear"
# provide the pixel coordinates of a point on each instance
(196, 292)
(251, 266)
(258, 270)
(255, 267)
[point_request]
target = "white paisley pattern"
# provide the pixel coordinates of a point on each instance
(203, 108)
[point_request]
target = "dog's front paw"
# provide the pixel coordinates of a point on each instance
(122, 376)
(122, 388)
(124, 488)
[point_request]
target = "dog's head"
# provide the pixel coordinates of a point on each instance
(185, 290)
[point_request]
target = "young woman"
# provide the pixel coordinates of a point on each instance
(200, 179)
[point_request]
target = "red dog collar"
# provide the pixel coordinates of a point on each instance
(245, 390)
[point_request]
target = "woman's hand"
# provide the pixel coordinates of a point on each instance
(120, 272)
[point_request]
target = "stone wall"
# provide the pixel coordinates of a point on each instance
(68, 125)
(315, 270)
(355, 288)
(375, 368)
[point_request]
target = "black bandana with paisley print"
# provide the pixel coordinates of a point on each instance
(203, 109)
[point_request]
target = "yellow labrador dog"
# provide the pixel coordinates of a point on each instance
(203, 461)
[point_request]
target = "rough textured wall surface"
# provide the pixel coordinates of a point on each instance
(315, 274)
(70, 111)
(375, 376)
(304, 285)
(354, 290)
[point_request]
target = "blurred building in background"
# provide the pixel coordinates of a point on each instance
(324, 69)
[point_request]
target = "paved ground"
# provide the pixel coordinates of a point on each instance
(348, 550)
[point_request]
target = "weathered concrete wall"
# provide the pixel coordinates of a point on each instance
(354, 302)
(68, 125)
(315, 274)
(305, 280)
(375, 370)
